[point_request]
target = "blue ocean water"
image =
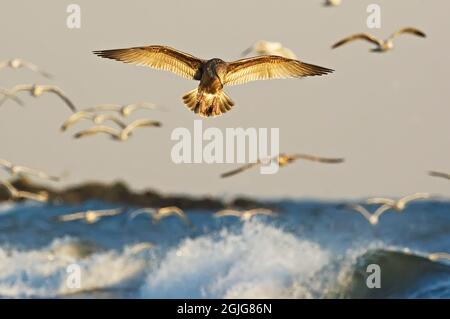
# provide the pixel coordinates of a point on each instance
(312, 249)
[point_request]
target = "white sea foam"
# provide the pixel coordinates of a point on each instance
(42, 273)
(260, 261)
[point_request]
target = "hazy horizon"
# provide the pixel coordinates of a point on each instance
(386, 114)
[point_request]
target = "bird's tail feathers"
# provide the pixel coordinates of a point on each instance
(206, 104)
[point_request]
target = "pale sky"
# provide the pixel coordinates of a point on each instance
(387, 114)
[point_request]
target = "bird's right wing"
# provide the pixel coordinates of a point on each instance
(158, 57)
(359, 36)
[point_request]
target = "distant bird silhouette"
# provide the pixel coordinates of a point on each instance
(38, 90)
(90, 216)
(18, 194)
(371, 218)
(245, 215)
(124, 110)
(18, 63)
(115, 134)
(23, 171)
(283, 160)
(270, 48)
(439, 174)
(160, 213)
(209, 99)
(400, 204)
(95, 118)
(381, 45)
(332, 3)
(438, 256)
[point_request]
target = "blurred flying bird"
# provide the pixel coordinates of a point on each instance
(209, 99)
(400, 204)
(115, 134)
(23, 171)
(124, 110)
(17, 63)
(439, 174)
(381, 45)
(17, 194)
(246, 214)
(90, 216)
(160, 213)
(283, 160)
(37, 91)
(371, 218)
(270, 48)
(332, 3)
(95, 118)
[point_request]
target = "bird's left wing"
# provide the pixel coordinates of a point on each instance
(269, 67)
(62, 95)
(318, 159)
(409, 30)
(158, 57)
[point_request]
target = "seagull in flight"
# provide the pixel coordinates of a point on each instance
(124, 110)
(270, 48)
(18, 194)
(160, 213)
(246, 214)
(115, 134)
(332, 3)
(284, 160)
(372, 218)
(90, 216)
(209, 99)
(23, 171)
(97, 119)
(381, 45)
(37, 90)
(399, 204)
(18, 63)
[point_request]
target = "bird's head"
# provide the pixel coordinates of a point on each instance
(15, 63)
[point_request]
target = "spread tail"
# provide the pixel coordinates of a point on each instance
(206, 104)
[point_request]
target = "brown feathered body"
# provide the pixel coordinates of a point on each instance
(209, 99)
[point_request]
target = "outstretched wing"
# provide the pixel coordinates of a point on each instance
(439, 174)
(269, 67)
(140, 123)
(239, 170)
(228, 212)
(359, 36)
(96, 130)
(62, 95)
(318, 159)
(158, 57)
(409, 30)
(380, 201)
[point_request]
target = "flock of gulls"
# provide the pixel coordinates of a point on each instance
(271, 61)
